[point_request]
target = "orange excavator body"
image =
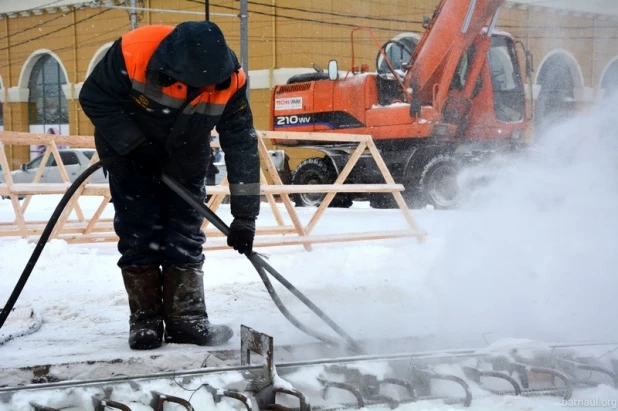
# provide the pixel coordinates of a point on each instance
(453, 97)
(448, 92)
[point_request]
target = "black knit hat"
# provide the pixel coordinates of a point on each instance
(195, 53)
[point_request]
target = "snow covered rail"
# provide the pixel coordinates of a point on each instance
(96, 228)
(442, 377)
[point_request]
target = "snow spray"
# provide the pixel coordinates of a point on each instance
(534, 256)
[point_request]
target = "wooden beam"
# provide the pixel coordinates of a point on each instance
(97, 215)
(35, 188)
(271, 201)
(331, 238)
(270, 167)
(338, 182)
(21, 138)
(69, 223)
(8, 178)
(37, 178)
(216, 199)
(308, 136)
(389, 179)
(73, 203)
(274, 242)
(97, 229)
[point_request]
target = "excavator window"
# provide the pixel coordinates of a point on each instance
(398, 52)
(461, 72)
(506, 81)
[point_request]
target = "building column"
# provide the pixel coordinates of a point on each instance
(71, 92)
(16, 119)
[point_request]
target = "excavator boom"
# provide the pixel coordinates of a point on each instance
(455, 26)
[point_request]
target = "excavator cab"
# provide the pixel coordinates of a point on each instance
(507, 87)
(398, 51)
(506, 80)
(498, 102)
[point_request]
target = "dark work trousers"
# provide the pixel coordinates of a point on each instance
(155, 225)
(211, 175)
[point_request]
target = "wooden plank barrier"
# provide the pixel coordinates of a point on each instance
(74, 226)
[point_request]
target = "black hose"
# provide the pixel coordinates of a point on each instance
(47, 232)
(257, 261)
(286, 313)
(261, 266)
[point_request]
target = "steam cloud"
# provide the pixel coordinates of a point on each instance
(535, 255)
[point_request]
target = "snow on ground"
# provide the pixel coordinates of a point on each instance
(79, 290)
(531, 256)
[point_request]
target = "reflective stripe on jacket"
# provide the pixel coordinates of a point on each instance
(138, 48)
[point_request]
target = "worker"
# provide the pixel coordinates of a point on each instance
(154, 99)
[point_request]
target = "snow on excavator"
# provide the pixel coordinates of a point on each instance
(435, 103)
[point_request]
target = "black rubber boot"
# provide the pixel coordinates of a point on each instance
(143, 285)
(186, 321)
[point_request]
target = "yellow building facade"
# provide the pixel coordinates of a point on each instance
(48, 48)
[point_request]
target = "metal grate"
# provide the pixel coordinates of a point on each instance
(411, 378)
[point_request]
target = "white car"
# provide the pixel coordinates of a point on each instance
(75, 161)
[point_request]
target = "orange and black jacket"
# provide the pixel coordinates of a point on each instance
(131, 97)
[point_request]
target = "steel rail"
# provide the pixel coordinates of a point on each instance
(443, 355)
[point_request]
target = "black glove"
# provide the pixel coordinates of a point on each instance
(146, 159)
(242, 232)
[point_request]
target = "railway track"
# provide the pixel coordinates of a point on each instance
(366, 381)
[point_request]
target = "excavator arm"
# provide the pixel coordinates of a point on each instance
(455, 27)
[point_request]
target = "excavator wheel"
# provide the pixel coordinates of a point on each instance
(438, 183)
(317, 170)
(382, 201)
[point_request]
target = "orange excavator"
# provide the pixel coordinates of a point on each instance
(436, 103)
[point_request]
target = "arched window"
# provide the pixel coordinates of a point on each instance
(609, 83)
(48, 105)
(98, 56)
(558, 78)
